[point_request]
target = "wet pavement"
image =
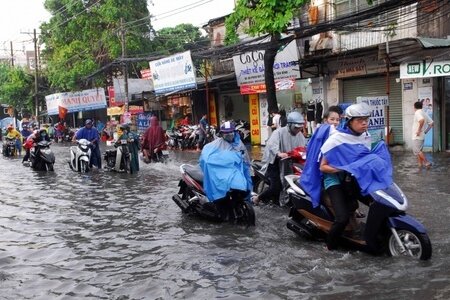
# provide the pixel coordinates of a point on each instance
(104, 235)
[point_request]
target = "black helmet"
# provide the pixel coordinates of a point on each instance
(124, 126)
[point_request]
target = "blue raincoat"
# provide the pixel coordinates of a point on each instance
(345, 151)
(225, 166)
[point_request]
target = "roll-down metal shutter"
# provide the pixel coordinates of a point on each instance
(376, 86)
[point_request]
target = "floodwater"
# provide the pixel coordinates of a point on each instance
(104, 235)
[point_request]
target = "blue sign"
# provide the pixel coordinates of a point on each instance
(143, 121)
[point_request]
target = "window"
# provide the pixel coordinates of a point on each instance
(348, 7)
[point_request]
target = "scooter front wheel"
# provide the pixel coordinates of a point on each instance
(84, 166)
(416, 244)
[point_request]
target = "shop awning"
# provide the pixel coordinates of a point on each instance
(415, 49)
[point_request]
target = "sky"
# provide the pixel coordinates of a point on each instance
(18, 18)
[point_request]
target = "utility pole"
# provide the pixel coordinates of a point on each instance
(125, 66)
(36, 76)
(12, 55)
(207, 90)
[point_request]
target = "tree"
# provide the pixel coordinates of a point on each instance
(84, 35)
(180, 38)
(16, 87)
(263, 17)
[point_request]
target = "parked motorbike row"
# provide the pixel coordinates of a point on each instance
(187, 136)
(387, 228)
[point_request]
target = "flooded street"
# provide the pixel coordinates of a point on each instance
(104, 235)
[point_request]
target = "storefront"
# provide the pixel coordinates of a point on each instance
(364, 75)
(250, 103)
(428, 82)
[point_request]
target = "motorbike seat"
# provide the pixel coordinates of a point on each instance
(258, 164)
(194, 172)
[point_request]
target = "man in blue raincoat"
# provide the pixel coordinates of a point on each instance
(225, 164)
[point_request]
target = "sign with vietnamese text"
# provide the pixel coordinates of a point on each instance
(143, 121)
(254, 119)
(280, 85)
(424, 69)
(249, 66)
(173, 73)
(378, 105)
(76, 101)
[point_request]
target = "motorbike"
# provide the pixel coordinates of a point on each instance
(160, 154)
(243, 128)
(110, 157)
(293, 164)
(193, 201)
(387, 228)
(41, 157)
(80, 156)
(9, 147)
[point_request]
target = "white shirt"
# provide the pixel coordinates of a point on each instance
(418, 116)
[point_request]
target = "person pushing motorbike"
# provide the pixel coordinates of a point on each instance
(90, 133)
(281, 141)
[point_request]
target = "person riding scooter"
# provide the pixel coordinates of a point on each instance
(12, 133)
(32, 140)
(226, 167)
(349, 168)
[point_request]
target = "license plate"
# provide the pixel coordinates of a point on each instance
(165, 152)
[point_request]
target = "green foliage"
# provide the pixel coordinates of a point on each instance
(16, 87)
(83, 36)
(180, 38)
(260, 17)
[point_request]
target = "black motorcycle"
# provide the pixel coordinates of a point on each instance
(110, 157)
(9, 147)
(42, 157)
(192, 200)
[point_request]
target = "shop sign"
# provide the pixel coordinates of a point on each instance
(76, 101)
(254, 119)
(249, 66)
(349, 67)
(378, 106)
(146, 74)
(173, 73)
(283, 84)
(263, 118)
(424, 69)
(212, 110)
(135, 109)
(115, 110)
(143, 121)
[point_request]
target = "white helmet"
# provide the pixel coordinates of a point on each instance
(295, 118)
(361, 110)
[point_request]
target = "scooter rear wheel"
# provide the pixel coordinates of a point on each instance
(417, 244)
